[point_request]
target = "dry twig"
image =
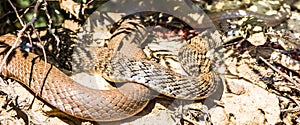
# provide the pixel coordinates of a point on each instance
(21, 32)
(281, 73)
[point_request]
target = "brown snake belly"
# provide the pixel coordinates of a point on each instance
(74, 99)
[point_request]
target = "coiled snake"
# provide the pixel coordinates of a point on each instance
(110, 105)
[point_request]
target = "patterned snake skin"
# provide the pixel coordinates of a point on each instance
(115, 64)
(104, 105)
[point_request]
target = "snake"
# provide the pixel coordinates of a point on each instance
(118, 65)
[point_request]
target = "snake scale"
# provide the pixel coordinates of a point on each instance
(63, 93)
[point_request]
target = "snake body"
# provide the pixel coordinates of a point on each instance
(70, 97)
(61, 92)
